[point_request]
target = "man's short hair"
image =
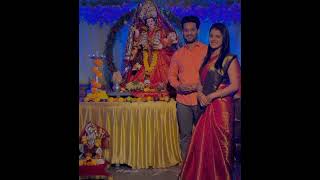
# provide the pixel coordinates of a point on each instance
(193, 19)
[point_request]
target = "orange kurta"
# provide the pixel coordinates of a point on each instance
(184, 69)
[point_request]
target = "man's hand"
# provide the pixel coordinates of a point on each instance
(186, 88)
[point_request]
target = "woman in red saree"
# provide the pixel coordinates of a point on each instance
(209, 154)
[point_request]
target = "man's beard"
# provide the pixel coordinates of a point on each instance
(189, 42)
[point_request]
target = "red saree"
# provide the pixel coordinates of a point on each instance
(209, 154)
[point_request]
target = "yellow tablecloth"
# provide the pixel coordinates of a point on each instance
(143, 134)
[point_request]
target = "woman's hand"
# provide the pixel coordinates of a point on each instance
(211, 97)
(203, 100)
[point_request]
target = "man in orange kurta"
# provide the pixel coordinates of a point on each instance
(184, 77)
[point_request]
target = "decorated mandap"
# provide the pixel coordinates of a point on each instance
(139, 113)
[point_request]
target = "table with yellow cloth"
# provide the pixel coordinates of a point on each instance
(142, 134)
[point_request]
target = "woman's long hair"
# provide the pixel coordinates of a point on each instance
(225, 47)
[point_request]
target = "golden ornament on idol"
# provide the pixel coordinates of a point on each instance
(149, 67)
